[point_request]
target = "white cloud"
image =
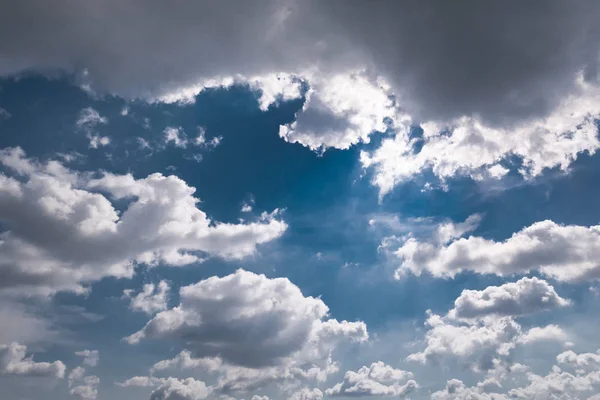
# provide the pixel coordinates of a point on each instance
(185, 389)
(562, 252)
(89, 117)
(481, 329)
(85, 388)
(160, 224)
(251, 331)
(13, 361)
(526, 296)
(456, 390)
(246, 208)
(545, 333)
(88, 120)
(140, 381)
(98, 141)
(340, 111)
(558, 384)
(152, 299)
(90, 357)
(584, 360)
(307, 394)
(474, 149)
(184, 360)
(249, 320)
(378, 379)
(176, 136)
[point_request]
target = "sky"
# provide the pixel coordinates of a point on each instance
(301, 200)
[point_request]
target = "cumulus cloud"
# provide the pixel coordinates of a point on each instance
(482, 329)
(160, 224)
(378, 379)
(184, 389)
(341, 111)
(13, 361)
(185, 360)
(307, 394)
(558, 384)
(250, 332)
(152, 299)
(456, 390)
(562, 252)
(467, 146)
(90, 357)
(248, 320)
(583, 360)
(526, 296)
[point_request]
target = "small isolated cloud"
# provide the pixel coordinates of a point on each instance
(152, 299)
(13, 361)
(90, 357)
(4, 114)
(88, 120)
(175, 136)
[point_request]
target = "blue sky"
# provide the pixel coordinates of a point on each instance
(285, 222)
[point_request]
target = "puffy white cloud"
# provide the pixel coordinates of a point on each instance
(378, 379)
(479, 342)
(526, 296)
(456, 390)
(249, 320)
(85, 238)
(558, 384)
(583, 360)
(250, 331)
(474, 149)
(481, 329)
(544, 333)
(86, 388)
(562, 252)
(307, 394)
(90, 357)
(152, 299)
(140, 381)
(13, 361)
(185, 389)
(184, 360)
(341, 111)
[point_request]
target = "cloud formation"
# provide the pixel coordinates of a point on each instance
(151, 299)
(513, 299)
(563, 252)
(248, 320)
(13, 361)
(160, 224)
(378, 379)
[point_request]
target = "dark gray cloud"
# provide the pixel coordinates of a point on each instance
(503, 60)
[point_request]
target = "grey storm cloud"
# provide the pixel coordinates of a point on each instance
(502, 61)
